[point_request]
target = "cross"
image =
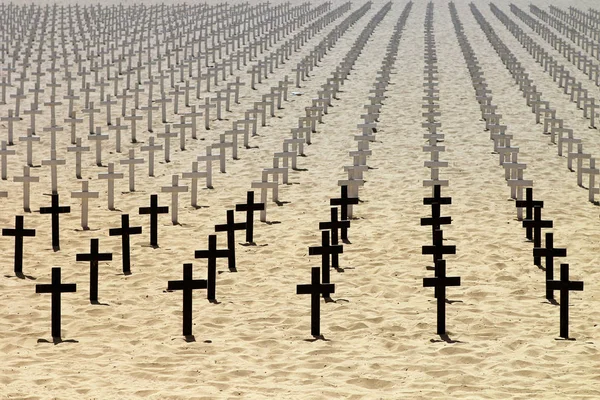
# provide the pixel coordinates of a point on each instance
(55, 210)
(118, 128)
(108, 103)
(149, 108)
(182, 125)
(10, 119)
(98, 137)
(53, 163)
(84, 195)
(436, 220)
(163, 103)
(26, 179)
(78, 149)
(131, 161)
(230, 227)
(73, 120)
(549, 252)
(528, 204)
(56, 289)
(19, 233)
(125, 231)
(111, 176)
(345, 202)
(193, 114)
(93, 257)
(194, 175)
(133, 118)
(536, 224)
(4, 152)
(334, 225)
(29, 139)
(187, 285)
(209, 158)
(91, 111)
(167, 135)
(212, 254)
(564, 285)
(440, 282)
(438, 250)
(151, 148)
(206, 107)
(325, 250)
(153, 211)
(315, 289)
(174, 189)
(249, 208)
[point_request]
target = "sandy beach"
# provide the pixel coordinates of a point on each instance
(379, 331)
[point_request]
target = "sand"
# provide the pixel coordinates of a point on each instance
(380, 331)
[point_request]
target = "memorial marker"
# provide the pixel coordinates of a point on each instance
(250, 207)
(315, 289)
(212, 254)
(19, 232)
(94, 257)
(230, 227)
(125, 231)
(440, 282)
(565, 285)
(56, 288)
(187, 285)
(55, 210)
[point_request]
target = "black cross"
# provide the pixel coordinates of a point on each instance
(19, 233)
(440, 282)
(438, 250)
(436, 220)
(124, 231)
(437, 199)
(549, 252)
(56, 288)
(250, 207)
(315, 289)
(154, 210)
(345, 202)
(187, 285)
(528, 204)
(325, 250)
(93, 257)
(565, 285)
(212, 254)
(334, 225)
(537, 223)
(55, 210)
(230, 227)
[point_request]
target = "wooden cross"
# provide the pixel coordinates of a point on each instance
(4, 153)
(193, 114)
(84, 195)
(56, 288)
(438, 250)
(133, 118)
(549, 252)
(230, 227)
(78, 149)
(250, 207)
(536, 224)
(93, 257)
(194, 175)
(19, 232)
(167, 135)
(132, 161)
(91, 111)
(10, 119)
(55, 210)
(345, 203)
(315, 289)
(209, 158)
(53, 163)
(125, 231)
(187, 285)
(73, 121)
(182, 125)
(174, 189)
(440, 282)
(325, 250)
(27, 179)
(151, 148)
(98, 137)
(334, 226)
(565, 286)
(118, 128)
(111, 176)
(206, 111)
(212, 254)
(153, 211)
